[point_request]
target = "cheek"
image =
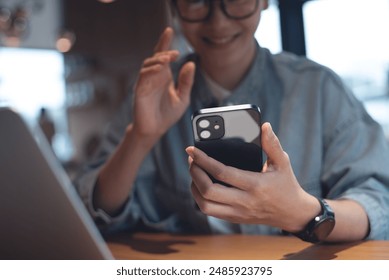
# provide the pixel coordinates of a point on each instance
(252, 23)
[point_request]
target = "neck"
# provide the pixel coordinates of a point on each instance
(228, 74)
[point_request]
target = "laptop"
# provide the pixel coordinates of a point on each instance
(41, 214)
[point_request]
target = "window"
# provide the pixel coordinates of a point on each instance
(34, 79)
(268, 33)
(350, 37)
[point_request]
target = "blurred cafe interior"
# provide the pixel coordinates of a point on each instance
(66, 65)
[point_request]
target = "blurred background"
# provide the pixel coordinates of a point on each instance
(66, 65)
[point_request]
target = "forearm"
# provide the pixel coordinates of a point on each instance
(352, 223)
(117, 176)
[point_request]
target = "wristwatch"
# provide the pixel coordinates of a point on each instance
(320, 226)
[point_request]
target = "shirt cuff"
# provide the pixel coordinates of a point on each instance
(372, 200)
(87, 185)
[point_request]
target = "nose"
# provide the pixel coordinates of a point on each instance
(217, 14)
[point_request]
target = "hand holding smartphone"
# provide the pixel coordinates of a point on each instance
(231, 135)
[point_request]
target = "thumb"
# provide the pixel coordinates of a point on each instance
(272, 147)
(185, 80)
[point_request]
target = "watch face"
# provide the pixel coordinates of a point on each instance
(323, 229)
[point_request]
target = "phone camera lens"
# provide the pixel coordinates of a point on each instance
(204, 123)
(205, 134)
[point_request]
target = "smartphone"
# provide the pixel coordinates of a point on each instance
(231, 135)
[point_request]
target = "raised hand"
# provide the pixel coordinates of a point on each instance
(159, 103)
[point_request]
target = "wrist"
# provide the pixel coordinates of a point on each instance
(320, 225)
(140, 142)
(305, 209)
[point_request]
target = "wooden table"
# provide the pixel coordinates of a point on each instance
(162, 246)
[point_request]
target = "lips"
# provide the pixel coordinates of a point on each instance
(219, 40)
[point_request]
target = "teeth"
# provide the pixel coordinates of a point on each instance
(221, 40)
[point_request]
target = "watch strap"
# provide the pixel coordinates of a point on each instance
(326, 215)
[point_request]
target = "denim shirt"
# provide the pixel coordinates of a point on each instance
(336, 149)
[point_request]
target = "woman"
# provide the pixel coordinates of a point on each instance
(330, 148)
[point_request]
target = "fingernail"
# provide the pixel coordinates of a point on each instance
(270, 130)
(189, 151)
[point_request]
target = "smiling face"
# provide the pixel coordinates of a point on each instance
(221, 41)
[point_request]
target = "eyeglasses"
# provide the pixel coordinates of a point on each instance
(201, 10)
